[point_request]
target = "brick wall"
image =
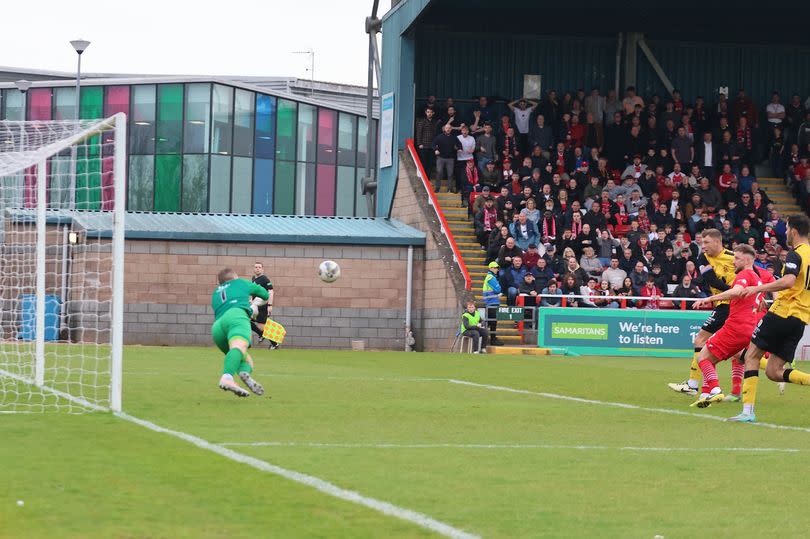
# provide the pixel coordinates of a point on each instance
(169, 283)
(439, 287)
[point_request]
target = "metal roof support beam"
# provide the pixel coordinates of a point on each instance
(618, 64)
(630, 58)
(655, 65)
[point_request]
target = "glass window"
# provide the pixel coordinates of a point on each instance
(344, 192)
(91, 104)
(59, 185)
(285, 132)
(13, 105)
(195, 184)
(142, 120)
(243, 123)
(169, 119)
(305, 189)
(222, 136)
(263, 186)
(108, 183)
(39, 104)
(325, 190)
(361, 141)
(241, 184)
(116, 100)
(327, 136)
(198, 118)
(360, 200)
(167, 182)
(88, 179)
(64, 103)
(347, 129)
(220, 200)
(12, 187)
(141, 183)
(284, 188)
(265, 126)
(306, 133)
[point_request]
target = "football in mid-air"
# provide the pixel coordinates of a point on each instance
(329, 271)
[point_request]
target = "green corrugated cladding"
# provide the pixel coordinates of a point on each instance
(700, 69)
(465, 65)
(397, 76)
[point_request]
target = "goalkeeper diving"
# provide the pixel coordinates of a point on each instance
(231, 302)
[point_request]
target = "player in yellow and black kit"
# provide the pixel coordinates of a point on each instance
(716, 266)
(782, 327)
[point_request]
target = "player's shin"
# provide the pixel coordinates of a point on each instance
(797, 377)
(749, 391)
(694, 371)
(737, 372)
(232, 361)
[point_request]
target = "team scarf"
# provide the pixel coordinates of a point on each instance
(490, 216)
(472, 175)
(605, 205)
(744, 137)
(549, 231)
(576, 229)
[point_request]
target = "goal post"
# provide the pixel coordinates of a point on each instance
(62, 279)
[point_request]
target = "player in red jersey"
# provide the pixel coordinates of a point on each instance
(734, 336)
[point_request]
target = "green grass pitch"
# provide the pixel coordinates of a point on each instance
(391, 426)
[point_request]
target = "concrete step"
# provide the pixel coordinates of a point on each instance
(525, 350)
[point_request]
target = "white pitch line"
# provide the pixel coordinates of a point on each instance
(624, 405)
(321, 485)
(512, 446)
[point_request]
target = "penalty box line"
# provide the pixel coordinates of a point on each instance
(623, 405)
(321, 485)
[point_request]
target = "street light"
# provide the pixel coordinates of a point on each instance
(79, 45)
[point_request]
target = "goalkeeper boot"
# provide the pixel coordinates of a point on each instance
(682, 387)
(226, 383)
(252, 384)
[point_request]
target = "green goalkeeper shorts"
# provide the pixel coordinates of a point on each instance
(234, 323)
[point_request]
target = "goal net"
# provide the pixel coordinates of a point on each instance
(61, 281)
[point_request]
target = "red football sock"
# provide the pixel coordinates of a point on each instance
(737, 371)
(709, 374)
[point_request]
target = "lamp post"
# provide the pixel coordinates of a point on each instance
(79, 45)
(23, 86)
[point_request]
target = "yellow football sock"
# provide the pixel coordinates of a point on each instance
(694, 371)
(749, 391)
(763, 362)
(798, 377)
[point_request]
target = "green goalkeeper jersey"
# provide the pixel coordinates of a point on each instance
(235, 294)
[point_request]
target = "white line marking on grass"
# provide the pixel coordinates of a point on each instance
(617, 404)
(511, 446)
(357, 378)
(321, 485)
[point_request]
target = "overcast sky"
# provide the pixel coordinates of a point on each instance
(226, 37)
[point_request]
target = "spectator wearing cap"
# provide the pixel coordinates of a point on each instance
(485, 220)
(529, 289)
(542, 135)
(491, 292)
(479, 199)
(636, 169)
(511, 277)
(486, 147)
(524, 231)
(490, 176)
(763, 261)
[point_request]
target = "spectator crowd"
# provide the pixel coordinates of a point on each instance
(604, 196)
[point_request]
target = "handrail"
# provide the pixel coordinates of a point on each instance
(433, 201)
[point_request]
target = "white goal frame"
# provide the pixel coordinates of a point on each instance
(39, 158)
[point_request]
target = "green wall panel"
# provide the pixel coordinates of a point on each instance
(167, 182)
(169, 118)
(91, 102)
(88, 177)
(286, 123)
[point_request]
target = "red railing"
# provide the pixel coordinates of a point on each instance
(433, 201)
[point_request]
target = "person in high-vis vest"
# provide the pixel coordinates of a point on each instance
(473, 327)
(491, 291)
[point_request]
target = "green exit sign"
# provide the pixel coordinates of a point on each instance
(510, 313)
